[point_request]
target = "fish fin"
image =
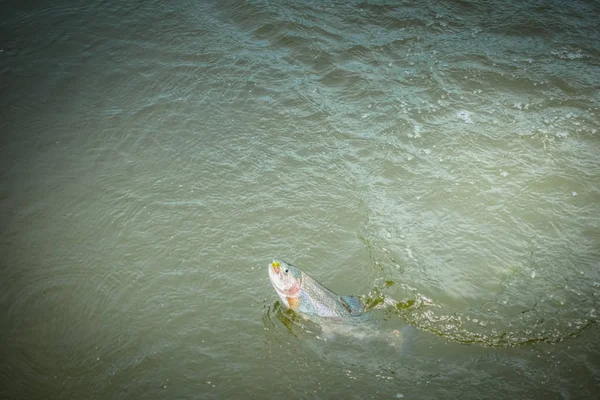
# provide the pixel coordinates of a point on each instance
(352, 304)
(293, 302)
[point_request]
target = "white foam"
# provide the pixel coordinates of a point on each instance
(465, 116)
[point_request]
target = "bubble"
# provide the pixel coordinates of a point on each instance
(465, 116)
(417, 131)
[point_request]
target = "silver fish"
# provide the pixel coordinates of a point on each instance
(303, 294)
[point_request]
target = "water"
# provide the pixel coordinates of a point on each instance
(155, 157)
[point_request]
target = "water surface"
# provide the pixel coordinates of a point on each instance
(155, 158)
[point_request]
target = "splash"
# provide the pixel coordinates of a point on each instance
(423, 314)
(489, 324)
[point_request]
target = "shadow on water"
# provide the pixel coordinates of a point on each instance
(356, 346)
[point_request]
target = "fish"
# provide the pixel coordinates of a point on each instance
(303, 294)
(347, 316)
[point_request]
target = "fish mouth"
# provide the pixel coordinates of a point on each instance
(275, 266)
(279, 279)
(275, 274)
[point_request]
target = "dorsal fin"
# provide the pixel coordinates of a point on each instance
(352, 304)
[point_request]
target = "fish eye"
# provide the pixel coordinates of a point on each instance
(287, 270)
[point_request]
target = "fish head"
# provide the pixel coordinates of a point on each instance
(287, 281)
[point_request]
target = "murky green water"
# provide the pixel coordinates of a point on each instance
(155, 158)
